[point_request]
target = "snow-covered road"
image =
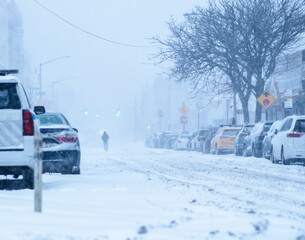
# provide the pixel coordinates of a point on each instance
(138, 193)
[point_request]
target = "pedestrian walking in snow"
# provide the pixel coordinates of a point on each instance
(105, 138)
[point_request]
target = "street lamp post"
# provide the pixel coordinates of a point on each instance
(40, 73)
(53, 87)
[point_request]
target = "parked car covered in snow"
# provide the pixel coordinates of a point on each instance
(18, 130)
(190, 142)
(240, 139)
(156, 140)
(288, 146)
(61, 147)
(197, 142)
(223, 141)
(167, 139)
(270, 135)
(181, 142)
(254, 141)
(206, 140)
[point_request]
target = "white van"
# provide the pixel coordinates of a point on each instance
(18, 127)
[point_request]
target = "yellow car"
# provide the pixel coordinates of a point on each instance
(223, 141)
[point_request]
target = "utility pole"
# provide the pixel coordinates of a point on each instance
(169, 105)
(234, 108)
(40, 73)
(228, 111)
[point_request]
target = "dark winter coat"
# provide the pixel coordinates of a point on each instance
(105, 137)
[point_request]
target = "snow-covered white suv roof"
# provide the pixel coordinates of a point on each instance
(8, 79)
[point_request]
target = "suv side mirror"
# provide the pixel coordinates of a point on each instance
(276, 131)
(75, 130)
(39, 110)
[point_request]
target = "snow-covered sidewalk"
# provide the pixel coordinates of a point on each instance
(137, 193)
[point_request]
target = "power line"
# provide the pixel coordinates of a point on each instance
(87, 32)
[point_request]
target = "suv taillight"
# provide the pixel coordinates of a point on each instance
(294, 134)
(243, 134)
(28, 123)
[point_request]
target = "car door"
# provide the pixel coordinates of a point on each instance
(281, 139)
(215, 139)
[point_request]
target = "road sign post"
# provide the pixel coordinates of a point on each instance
(184, 109)
(288, 99)
(183, 119)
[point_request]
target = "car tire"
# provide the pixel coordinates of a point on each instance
(217, 151)
(264, 153)
(28, 178)
(253, 151)
(272, 158)
(212, 152)
(238, 152)
(77, 171)
(284, 161)
(245, 151)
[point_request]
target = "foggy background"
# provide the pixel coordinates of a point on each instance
(95, 78)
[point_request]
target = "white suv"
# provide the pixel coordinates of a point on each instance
(18, 127)
(288, 146)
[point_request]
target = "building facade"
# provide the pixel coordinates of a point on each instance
(11, 37)
(287, 85)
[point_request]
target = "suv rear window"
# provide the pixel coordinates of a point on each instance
(202, 132)
(9, 98)
(267, 126)
(299, 126)
(231, 132)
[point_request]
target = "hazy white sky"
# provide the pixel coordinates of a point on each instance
(106, 76)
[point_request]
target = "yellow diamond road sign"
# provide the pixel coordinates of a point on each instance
(266, 99)
(184, 109)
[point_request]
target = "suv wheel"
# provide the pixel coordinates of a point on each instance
(253, 151)
(284, 161)
(217, 151)
(272, 159)
(28, 178)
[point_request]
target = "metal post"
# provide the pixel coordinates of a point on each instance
(38, 175)
(40, 73)
(198, 120)
(40, 82)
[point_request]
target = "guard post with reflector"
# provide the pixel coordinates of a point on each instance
(38, 174)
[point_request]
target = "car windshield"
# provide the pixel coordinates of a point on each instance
(248, 128)
(50, 119)
(230, 132)
(274, 126)
(300, 125)
(267, 126)
(184, 136)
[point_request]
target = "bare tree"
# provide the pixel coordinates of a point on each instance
(239, 38)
